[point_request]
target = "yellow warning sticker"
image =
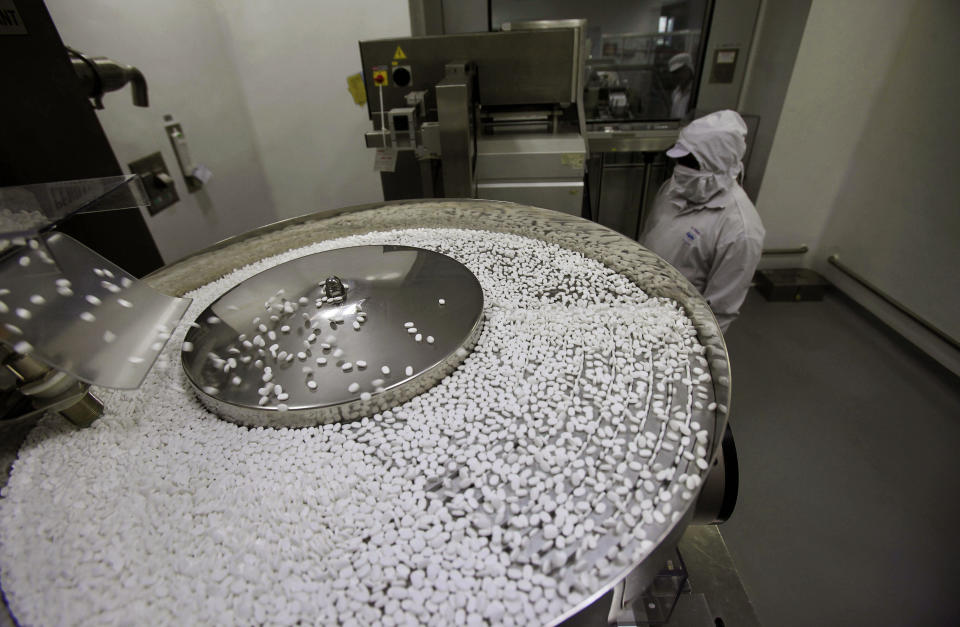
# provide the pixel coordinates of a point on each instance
(399, 53)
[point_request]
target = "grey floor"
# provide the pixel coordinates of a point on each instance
(850, 473)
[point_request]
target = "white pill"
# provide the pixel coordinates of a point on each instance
(346, 366)
(213, 320)
(408, 324)
(37, 299)
(87, 316)
(442, 301)
(321, 361)
(353, 387)
(361, 363)
(125, 303)
(418, 337)
(385, 369)
(187, 347)
(301, 355)
(356, 325)
(109, 336)
(408, 371)
(24, 313)
(364, 396)
(93, 300)
(312, 384)
(23, 347)
(430, 339)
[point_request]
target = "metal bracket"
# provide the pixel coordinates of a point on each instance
(179, 143)
(455, 115)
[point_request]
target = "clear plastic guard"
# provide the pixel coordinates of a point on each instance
(71, 308)
(28, 209)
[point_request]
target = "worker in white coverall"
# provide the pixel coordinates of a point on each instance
(681, 71)
(702, 222)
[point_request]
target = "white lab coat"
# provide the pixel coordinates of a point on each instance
(715, 243)
(680, 101)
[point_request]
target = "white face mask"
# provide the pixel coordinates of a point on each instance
(697, 186)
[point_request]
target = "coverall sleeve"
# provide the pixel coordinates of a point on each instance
(729, 278)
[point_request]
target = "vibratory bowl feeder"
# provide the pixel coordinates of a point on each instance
(416, 412)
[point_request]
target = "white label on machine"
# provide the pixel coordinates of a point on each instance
(385, 160)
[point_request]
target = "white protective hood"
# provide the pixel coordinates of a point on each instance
(718, 141)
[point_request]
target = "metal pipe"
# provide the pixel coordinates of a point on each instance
(926, 324)
(799, 250)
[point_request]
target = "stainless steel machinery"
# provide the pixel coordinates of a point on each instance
(70, 318)
(592, 240)
(647, 67)
(618, 592)
(480, 115)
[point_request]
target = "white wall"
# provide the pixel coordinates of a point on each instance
(896, 217)
(293, 58)
(845, 54)
(864, 158)
(179, 46)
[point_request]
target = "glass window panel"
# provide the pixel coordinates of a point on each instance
(643, 56)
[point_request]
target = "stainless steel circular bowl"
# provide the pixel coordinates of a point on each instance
(594, 241)
(625, 256)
